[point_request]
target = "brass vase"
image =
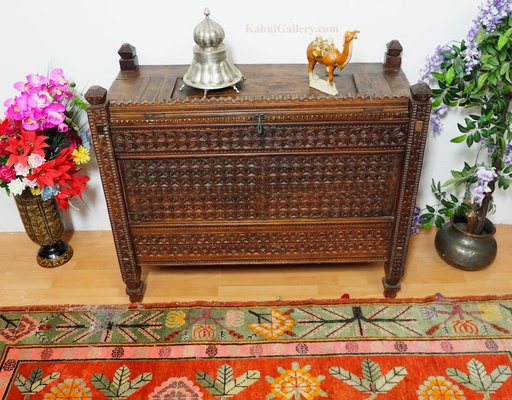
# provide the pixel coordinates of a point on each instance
(44, 227)
(465, 250)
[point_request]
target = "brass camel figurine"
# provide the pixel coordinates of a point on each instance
(325, 52)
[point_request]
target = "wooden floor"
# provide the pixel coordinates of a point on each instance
(92, 276)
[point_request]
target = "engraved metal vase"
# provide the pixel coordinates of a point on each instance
(465, 250)
(211, 67)
(44, 227)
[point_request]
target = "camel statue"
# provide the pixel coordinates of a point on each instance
(325, 52)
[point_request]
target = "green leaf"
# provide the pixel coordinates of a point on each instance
(244, 381)
(502, 41)
(470, 88)
(481, 79)
(391, 379)
(351, 379)
(499, 376)
(478, 379)
(121, 387)
(121, 378)
(439, 76)
(462, 128)
(469, 140)
(101, 382)
(490, 59)
(437, 102)
(225, 386)
(459, 139)
(371, 370)
(431, 209)
(450, 75)
(439, 221)
(505, 67)
(35, 382)
(480, 36)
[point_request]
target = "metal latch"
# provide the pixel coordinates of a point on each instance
(259, 127)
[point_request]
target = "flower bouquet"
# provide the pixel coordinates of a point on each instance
(42, 144)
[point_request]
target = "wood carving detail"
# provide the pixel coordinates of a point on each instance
(98, 121)
(157, 139)
(321, 244)
(238, 188)
(409, 189)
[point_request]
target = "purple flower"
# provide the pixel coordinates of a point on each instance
(479, 190)
(435, 118)
(507, 156)
(491, 14)
(485, 174)
(433, 63)
(416, 221)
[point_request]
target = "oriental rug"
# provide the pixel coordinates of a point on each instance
(427, 349)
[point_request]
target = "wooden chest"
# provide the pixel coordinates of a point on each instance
(279, 173)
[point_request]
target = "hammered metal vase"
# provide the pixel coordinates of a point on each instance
(44, 227)
(465, 250)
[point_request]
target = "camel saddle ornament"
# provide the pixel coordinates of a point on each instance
(325, 52)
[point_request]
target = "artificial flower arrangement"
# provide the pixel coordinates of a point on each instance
(474, 74)
(42, 145)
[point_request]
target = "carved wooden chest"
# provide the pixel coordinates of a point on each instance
(279, 173)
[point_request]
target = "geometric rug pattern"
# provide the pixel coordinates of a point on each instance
(435, 348)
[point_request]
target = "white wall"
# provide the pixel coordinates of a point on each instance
(83, 38)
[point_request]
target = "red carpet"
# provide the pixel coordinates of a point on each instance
(435, 349)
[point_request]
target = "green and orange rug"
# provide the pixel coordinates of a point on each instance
(427, 349)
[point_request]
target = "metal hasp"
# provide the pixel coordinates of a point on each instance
(211, 67)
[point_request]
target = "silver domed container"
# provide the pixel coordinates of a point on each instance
(211, 67)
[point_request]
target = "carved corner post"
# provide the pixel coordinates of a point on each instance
(102, 141)
(393, 57)
(129, 60)
(417, 134)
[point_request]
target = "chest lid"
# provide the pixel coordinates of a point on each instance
(154, 90)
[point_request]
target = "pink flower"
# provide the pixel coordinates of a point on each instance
(7, 174)
(21, 170)
(17, 108)
(36, 80)
(31, 121)
(39, 100)
(21, 86)
(57, 93)
(57, 79)
(35, 160)
(63, 127)
(54, 114)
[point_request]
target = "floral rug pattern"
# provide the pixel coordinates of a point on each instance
(426, 349)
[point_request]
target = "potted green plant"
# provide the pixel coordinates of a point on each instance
(473, 74)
